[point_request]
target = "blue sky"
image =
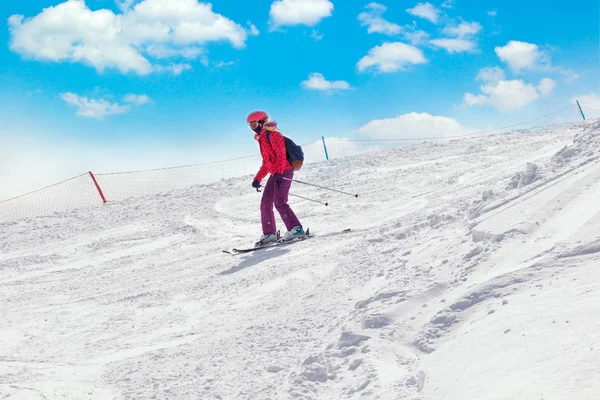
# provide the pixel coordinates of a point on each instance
(122, 84)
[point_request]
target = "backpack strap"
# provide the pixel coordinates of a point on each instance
(268, 136)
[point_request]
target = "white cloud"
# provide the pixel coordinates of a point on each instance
(162, 51)
(316, 35)
(454, 45)
(390, 57)
(299, 12)
(569, 75)
(521, 56)
(124, 5)
(426, 11)
(421, 125)
(138, 99)
(375, 22)
(461, 37)
(317, 81)
(463, 30)
(223, 64)
(414, 35)
(492, 74)
(252, 29)
(591, 100)
(101, 108)
(92, 108)
(177, 69)
(71, 32)
(185, 22)
(505, 95)
(449, 3)
(546, 86)
(492, 13)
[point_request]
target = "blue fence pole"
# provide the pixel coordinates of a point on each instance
(325, 147)
(580, 110)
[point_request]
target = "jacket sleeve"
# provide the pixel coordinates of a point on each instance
(264, 169)
(262, 172)
(278, 144)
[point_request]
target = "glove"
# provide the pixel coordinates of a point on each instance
(255, 184)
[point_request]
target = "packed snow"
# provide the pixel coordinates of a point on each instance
(470, 272)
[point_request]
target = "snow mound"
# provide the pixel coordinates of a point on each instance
(525, 178)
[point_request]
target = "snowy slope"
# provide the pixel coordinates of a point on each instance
(470, 273)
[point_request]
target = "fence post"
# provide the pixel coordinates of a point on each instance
(98, 187)
(325, 147)
(580, 110)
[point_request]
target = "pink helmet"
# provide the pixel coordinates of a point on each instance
(257, 116)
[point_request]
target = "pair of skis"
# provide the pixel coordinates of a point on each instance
(308, 235)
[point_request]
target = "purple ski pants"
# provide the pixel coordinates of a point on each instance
(276, 194)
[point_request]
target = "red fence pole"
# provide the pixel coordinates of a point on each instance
(98, 187)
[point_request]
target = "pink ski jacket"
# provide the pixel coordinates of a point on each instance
(274, 159)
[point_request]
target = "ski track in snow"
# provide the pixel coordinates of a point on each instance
(468, 273)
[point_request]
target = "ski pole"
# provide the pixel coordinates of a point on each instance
(300, 197)
(306, 198)
(322, 187)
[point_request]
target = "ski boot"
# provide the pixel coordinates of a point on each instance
(294, 234)
(267, 239)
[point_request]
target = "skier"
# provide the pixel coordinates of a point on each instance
(276, 190)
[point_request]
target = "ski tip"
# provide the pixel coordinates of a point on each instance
(233, 252)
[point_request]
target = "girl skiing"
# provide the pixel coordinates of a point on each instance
(276, 190)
